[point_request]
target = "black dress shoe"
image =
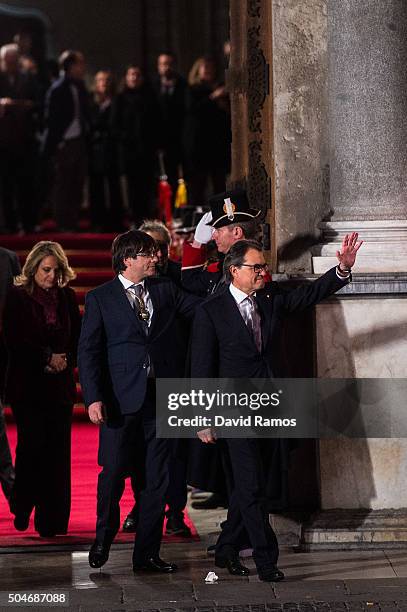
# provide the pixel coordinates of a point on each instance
(211, 503)
(130, 523)
(272, 575)
(155, 564)
(176, 526)
(233, 566)
(98, 554)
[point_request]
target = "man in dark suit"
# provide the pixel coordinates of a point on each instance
(19, 110)
(171, 90)
(66, 125)
(177, 490)
(236, 335)
(127, 339)
(9, 268)
(209, 469)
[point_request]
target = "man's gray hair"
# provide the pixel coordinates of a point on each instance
(236, 255)
(154, 225)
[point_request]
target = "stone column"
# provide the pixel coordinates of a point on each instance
(363, 481)
(300, 74)
(367, 92)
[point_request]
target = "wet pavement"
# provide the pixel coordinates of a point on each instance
(323, 581)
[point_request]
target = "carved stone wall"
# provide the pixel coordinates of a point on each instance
(279, 109)
(249, 83)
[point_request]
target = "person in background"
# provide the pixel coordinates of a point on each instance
(9, 268)
(171, 90)
(136, 128)
(41, 327)
(65, 138)
(19, 106)
(106, 207)
(28, 65)
(161, 234)
(207, 132)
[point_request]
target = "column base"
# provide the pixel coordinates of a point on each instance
(355, 530)
(384, 248)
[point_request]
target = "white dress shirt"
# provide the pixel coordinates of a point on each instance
(74, 130)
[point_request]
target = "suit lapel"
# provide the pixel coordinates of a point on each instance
(234, 318)
(264, 302)
(124, 304)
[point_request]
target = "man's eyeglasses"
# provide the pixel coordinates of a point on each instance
(257, 268)
(148, 255)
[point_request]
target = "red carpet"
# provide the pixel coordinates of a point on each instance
(83, 510)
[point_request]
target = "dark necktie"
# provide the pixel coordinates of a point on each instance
(252, 319)
(139, 305)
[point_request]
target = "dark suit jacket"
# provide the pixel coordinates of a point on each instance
(135, 124)
(30, 343)
(60, 110)
(172, 109)
(9, 267)
(222, 345)
(201, 281)
(19, 123)
(114, 349)
(174, 272)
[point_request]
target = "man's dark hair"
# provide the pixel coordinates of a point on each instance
(250, 229)
(67, 59)
(236, 255)
(131, 244)
(168, 52)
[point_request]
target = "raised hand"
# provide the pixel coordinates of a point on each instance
(203, 232)
(347, 255)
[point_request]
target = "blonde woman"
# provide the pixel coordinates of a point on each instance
(41, 327)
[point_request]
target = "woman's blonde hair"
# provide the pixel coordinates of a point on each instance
(193, 75)
(42, 249)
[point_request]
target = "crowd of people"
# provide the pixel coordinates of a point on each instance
(58, 135)
(155, 319)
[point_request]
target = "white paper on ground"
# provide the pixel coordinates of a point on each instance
(211, 577)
